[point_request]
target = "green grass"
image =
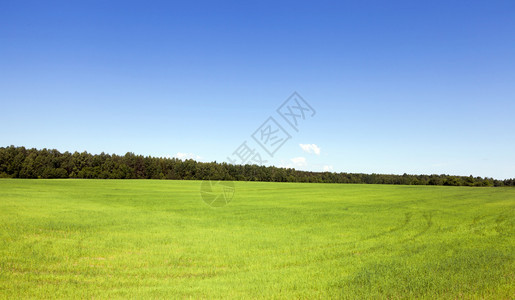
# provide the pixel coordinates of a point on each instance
(158, 239)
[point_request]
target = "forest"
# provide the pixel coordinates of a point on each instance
(19, 162)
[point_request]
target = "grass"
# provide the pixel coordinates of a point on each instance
(158, 239)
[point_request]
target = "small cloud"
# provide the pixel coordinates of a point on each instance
(184, 156)
(328, 168)
(310, 148)
(299, 161)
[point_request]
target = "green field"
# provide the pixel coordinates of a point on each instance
(158, 239)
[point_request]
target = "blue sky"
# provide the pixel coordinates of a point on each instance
(398, 86)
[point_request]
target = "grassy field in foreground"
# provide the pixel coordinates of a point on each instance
(158, 239)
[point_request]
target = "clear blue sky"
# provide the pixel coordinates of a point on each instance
(398, 86)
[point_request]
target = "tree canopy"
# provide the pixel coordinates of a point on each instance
(19, 162)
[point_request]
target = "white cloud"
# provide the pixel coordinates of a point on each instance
(299, 161)
(310, 148)
(184, 156)
(328, 168)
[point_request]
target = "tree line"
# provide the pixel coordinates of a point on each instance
(19, 162)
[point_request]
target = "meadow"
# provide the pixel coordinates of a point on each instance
(157, 239)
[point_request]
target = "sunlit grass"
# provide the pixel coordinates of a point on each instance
(158, 239)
